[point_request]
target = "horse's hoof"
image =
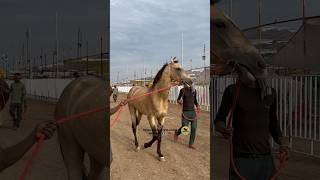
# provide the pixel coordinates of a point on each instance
(162, 159)
(137, 149)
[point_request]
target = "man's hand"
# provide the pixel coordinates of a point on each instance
(124, 102)
(198, 109)
(284, 146)
(46, 128)
(221, 128)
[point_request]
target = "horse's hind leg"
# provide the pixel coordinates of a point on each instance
(72, 154)
(152, 123)
(135, 123)
(97, 170)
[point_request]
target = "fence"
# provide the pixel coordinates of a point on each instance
(298, 108)
(202, 95)
(49, 89)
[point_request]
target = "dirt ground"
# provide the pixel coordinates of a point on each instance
(181, 162)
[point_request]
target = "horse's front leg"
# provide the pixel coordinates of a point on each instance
(160, 129)
(152, 123)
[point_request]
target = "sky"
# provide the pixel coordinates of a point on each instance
(146, 33)
(39, 15)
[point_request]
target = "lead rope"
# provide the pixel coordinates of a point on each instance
(229, 125)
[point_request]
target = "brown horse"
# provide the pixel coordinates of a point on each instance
(87, 134)
(155, 106)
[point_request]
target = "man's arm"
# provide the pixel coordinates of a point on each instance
(115, 109)
(274, 126)
(10, 155)
(225, 106)
(180, 95)
(195, 99)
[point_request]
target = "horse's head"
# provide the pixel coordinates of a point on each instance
(176, 72)
(231, 50)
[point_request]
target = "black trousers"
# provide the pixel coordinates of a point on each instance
(253, 168)
(16, 113)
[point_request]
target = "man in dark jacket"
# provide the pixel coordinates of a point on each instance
(254, 120)
(188, 98)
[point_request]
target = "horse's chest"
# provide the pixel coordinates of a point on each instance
(161, 108)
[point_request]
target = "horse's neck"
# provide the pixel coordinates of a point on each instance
(163, 86)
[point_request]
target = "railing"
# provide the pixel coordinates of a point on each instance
(47, 89)
(298, 107)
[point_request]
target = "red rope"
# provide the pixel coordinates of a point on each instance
(35, 152)
(40, 141)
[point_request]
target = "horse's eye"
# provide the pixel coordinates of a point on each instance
(179, 69)
(220, 25)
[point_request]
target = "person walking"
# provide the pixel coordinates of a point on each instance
(188, 99)
(17, 100)
(115, 93)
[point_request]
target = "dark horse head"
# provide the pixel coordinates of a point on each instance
(231, 51)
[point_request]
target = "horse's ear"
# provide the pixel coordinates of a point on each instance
(174, 60)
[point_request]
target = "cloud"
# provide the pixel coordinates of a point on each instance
(148, 32)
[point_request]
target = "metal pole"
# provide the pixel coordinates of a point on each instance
(57, 47)
(101, 64)
(182, 49)
(41, 64)
(259, 21)
(230, 8)
(304, 26)
(87, 63)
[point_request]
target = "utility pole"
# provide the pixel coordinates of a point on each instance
(118, 77)
(101, 64)
(259, 22)
(45, 61)
(230, 8)
(57, 47)
(182, 49)
(23, 58)
(204, 62)
(79, 45)
(87, 64)
(28, 52)
(304, 26)
(41, 64)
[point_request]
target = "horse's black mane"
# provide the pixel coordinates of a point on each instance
(158, 76)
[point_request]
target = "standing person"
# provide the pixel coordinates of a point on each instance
(115, 93)
(17, 99)
(254, 120)
(188, 98)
